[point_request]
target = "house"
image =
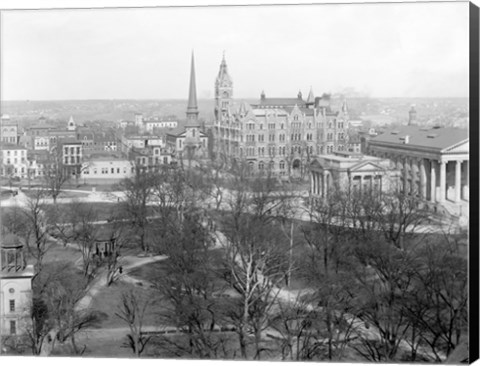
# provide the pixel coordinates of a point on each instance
(13, 161)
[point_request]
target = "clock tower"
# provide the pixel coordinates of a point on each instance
(223, 92)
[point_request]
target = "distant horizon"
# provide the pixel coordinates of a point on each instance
(203, 99)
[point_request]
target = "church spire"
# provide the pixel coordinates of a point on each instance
(192, 107)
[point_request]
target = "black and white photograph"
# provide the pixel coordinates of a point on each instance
(248, 182)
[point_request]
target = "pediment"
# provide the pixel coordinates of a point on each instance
(367, 166)
(462, 147)
(315, 164)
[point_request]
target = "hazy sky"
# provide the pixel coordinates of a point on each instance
(387, 50)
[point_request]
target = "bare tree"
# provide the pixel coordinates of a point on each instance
(139, 191)
(132, 312)
(56, 292)
(55, 174)
(254, 259)
(36, 234)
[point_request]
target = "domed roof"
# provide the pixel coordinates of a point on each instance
(10, 241)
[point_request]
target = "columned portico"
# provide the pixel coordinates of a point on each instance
(434, 162)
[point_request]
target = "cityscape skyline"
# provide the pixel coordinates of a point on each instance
(111, 54)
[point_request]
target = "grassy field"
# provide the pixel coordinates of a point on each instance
(109, 300)
(31, 193)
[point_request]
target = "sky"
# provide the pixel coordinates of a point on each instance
(382, 50)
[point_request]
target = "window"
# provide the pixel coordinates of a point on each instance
(13, 327)
(72, 150)
(12, 305)
(104, 170)
(86, 172)
(112, 170)
(282, 165)
(78, 150)
(118, 170)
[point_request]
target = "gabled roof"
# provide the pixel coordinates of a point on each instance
(432, 138)
(280, 102)
(176, 131)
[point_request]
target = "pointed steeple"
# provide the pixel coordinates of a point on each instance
(311, 97)
(223, 71)
(345, 106)
(192, 107)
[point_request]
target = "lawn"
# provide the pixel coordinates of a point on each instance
(103, 210)
(109, 299)
(31, 193)
(58, 252)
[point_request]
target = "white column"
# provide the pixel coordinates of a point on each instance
(443, 171)
(433, 180)
(406, 188)
(324, 185)
(423, 179)
(312, 183)
(458, 180)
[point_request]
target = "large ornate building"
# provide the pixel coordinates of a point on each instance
(434, 162)
(280, 134)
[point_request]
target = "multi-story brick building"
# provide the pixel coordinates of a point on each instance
(280, 134)
(14, 161)
(9, 131)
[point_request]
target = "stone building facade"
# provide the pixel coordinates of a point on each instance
(279, 134)
(434, 162)
(351, 172)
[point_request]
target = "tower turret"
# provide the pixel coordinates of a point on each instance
(15, 286)
(310, 99)
(223, 91)
(71, 126)
(412, 115)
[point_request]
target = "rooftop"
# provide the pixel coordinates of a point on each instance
(437, 138)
